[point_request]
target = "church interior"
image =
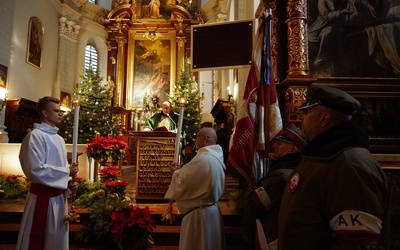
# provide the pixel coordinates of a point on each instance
(142, 51)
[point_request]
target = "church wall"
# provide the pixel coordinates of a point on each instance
(9, 161)
(6, 17)
(25, 80)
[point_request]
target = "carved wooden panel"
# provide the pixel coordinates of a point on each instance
(154, 154)
(20, 113)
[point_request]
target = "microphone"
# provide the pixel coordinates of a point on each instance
(176, 127)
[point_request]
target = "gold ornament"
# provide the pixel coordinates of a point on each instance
(100, 193)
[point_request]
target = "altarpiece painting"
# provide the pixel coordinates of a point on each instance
(354, 38)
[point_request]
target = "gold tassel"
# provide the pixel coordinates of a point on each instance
(72, 216)
(169, 215)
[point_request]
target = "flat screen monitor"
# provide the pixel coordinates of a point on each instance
(222, 45)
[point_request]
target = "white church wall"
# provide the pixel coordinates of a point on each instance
(7, 13)
(24, 80)
(9, 161)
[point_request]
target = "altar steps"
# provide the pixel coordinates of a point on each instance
(165, 235)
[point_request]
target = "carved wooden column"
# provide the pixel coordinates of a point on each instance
(119, 93)
(297, 38)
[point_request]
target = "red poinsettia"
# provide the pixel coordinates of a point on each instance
(117, 186)
(129, 220)
(110, 173)
(103, 148)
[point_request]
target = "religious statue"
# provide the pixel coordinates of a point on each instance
(110, 85)
(153, 10)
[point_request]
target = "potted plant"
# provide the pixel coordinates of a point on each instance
(13, 186)
(106, 149)
(131, 228)
(101, 198)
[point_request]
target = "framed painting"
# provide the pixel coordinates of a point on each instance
(379, 117)
(153, 67)
(65, 99)
(353, 39)
(35, 43)
(3, 76)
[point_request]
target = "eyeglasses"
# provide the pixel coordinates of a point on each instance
(58, 111)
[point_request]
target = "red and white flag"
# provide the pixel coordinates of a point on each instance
(259, 118)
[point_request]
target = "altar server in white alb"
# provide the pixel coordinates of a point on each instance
(197, 187)
(43, 159)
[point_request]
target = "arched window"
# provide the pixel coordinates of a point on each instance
(91, 57)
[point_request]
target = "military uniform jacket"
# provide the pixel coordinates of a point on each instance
(337, 196)
(264, 198)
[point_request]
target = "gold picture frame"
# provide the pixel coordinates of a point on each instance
(34, 47)
(151, 66)
(65, 99)
(3, 76)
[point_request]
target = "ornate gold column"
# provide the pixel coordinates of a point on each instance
(181, 41)
(119, 93)
(297, 38)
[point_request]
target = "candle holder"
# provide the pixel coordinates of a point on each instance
(72, 215)
(182, 104)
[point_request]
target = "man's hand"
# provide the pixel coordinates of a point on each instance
(346, 12)
(173, 167)
(73, 170)
(73, 186)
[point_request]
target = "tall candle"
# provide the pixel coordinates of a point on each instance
(75, 133)
(178, 135)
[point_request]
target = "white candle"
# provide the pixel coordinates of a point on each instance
(178, 135)
(75, 134)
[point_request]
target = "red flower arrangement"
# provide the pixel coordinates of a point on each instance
(131, 221)
(117, 186)
(111, 178)
(104, 148)
(109, 173)
(13, 186)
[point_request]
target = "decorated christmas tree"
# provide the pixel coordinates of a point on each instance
(187, 86)
(95, 113)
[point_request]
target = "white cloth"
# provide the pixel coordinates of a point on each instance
(43, 159)
(197, 187)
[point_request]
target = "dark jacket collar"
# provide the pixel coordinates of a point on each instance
(336, 139)
(288, 161)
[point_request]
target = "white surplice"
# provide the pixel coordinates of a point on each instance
(43, 159)
(197, 187)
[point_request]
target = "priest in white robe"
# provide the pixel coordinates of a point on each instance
(43, 159)
(196, 188)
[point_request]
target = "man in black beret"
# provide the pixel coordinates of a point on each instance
(338, 196)
(262, 201)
